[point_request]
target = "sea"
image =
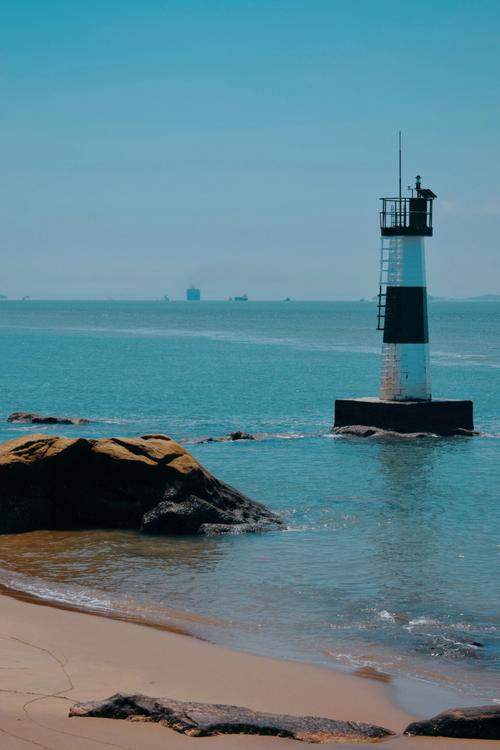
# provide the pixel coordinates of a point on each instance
(389, 555)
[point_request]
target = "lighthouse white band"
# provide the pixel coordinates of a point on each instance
(405, 372)
(406, 261)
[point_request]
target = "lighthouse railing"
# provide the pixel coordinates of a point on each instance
(405, 213)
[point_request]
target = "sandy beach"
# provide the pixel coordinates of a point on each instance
(51, 658)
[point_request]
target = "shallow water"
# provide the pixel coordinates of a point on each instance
(391, 550)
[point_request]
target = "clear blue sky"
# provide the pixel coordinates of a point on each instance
(242, 146)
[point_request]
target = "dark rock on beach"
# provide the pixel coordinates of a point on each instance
(207, 720)
(27, 417)
(478, 723)
(150, 483)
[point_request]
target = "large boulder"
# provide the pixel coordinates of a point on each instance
(151, 482)
(209, 719)
(477, 722)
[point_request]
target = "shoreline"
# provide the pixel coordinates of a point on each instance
(415, 695)
(28, 598)
(54, 656)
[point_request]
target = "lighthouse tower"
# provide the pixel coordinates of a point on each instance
(405, 402)
(402, 300)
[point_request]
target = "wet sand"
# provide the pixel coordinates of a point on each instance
(51, 658)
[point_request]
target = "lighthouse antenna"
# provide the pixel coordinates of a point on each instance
(400, 168)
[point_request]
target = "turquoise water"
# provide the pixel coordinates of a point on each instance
(391, 550)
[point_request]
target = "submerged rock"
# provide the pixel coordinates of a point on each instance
(370, 673)
(365, 431)
(208, 719)
(240, 436)
(231, 436)
(478, 723)
(149, 483)
(27, 417)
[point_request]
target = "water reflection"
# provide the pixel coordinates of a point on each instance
(414, 552)
(407, 465)
(82, 556)
(144, 578)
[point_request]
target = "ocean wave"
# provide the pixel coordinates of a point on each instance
(256, 438)
(459, 355)
(76, 597)
(423, 621)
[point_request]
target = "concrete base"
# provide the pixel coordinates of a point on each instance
(437, 417)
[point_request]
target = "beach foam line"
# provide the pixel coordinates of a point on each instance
(30, 597)
(76, 598)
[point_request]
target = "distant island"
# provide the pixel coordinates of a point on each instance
(484, 298)
(479, 298)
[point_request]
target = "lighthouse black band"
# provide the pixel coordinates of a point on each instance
(406, 315)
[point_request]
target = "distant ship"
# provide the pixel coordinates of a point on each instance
(242, 298)
(193, 294)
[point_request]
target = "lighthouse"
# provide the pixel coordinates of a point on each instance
(405, 402)
(402, 298)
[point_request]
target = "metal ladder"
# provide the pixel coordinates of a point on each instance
(383, 279)
(391, 272)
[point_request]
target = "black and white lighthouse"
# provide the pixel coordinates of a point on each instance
(402, 299)
(405, 401)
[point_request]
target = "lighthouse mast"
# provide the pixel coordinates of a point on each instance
(402, 308)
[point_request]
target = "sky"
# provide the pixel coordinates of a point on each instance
(242, 146)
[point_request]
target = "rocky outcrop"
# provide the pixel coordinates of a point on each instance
(196, 516)
(478, 723)
(360, 430)
(207, 720)
(365, 431)
(238, 435)
(231, 436)
(150, 483)
(27, 417)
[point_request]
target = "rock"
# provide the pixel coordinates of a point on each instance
(151, 482)
(365, 431)
(184, 517)
(227, 438)
(370, 673)
(357, 430)
(207, 720)
(361, 430)
(478, 723)
(26, 417)
(240, 436)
